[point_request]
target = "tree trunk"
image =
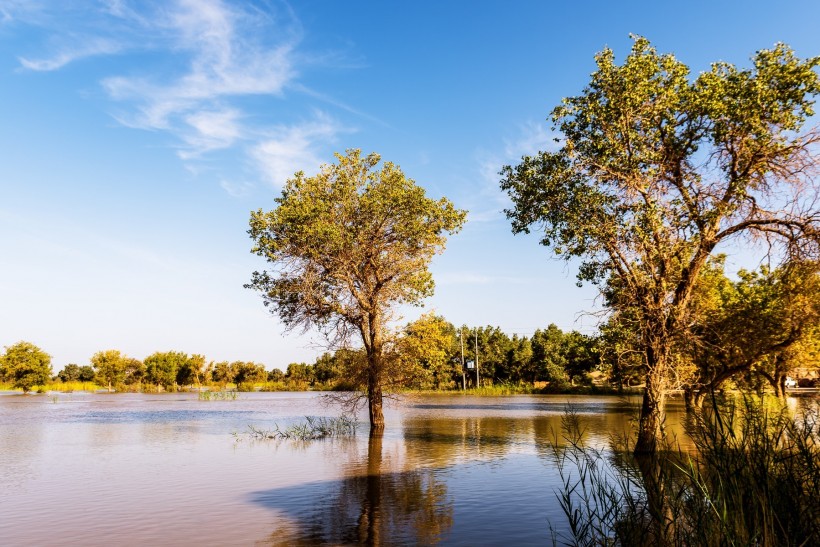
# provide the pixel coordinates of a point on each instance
(693, 398)
(780, 386)
(689, 399)
(650, 425)
(374, 393)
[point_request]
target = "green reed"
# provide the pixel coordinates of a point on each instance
(752, 480)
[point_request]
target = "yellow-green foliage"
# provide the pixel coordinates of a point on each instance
(67, 387)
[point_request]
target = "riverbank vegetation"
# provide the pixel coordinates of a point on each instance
(751, 478)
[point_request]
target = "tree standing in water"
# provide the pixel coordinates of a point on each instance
(345, 247)
(656, 170)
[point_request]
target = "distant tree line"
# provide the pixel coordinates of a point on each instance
(750, 333)
(26, 366)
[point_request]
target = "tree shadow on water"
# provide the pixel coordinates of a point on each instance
(369, 508)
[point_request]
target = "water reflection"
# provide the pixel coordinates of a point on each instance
(375, 505)
(451, 469)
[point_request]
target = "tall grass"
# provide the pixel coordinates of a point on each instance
(753, 479)
(67, 387)
(502, 389)
(64, 387)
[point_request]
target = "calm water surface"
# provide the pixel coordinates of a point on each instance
(139, 469)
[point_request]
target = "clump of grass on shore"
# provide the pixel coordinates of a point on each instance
(67, 387)
(502, 389)
(63, 387)
(312, 428)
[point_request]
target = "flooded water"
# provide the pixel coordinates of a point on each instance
(139, 469)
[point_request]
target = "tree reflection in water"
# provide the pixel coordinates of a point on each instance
(375, 506)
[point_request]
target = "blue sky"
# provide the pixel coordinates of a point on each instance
(136, 137)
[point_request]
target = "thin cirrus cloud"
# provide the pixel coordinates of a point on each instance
(221, 52)
(288, 149)
(532, 137)
(68, 54)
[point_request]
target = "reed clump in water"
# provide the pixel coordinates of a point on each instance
(225, 395)
(314, 427)
(752, 480)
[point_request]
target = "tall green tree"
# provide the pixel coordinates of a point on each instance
(345, 247)
(109, 366)
(162, 367)
(25, 365)
(425, 353)
(222, 373)
(656, 169)
(70, 373)
(134, 371)
(191, 371)
(549, 360)
(249, 373)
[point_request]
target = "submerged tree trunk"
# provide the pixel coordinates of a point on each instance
(650, 425)
(374, 390)
(374, 403)
(373, 346)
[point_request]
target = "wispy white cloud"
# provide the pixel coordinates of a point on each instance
(236, 189)
(226, 52)
(293, 148)
(210, 130)
(216, 54)
(531, 138)
(86, 47)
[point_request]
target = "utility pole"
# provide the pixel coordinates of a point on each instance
(477, 382)
(463, 373)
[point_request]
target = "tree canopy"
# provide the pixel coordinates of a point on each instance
(655, 169)
(25, 365)
(110, 367)
(347, 245)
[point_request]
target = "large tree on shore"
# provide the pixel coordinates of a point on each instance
(345, 247)
(25, 365)
(110, 367)
(656, 169)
